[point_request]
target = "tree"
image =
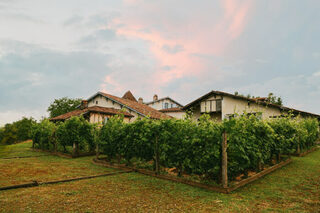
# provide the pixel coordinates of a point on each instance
(9, 135)
(24, 127)
(1, 133)
(274, 99)
(63, 105)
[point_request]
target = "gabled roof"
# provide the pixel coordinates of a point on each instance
(151, 102)
(251, 100)
(102, 110)
(174, 109)
(139, 108)
(128, 95)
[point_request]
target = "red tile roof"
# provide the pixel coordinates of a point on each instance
(155, 101)
(138, 107)
(175, 109)
(128, 95)
(102, 110)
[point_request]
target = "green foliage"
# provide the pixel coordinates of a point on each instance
(9, 134)
(270, 99)
(17, 131)
(43, 134)
(1, 133)
(110, 136)
(50, 136)
(249, 143)
(63, 105)
(194, 147)
(24, 127)
(274, 99)
(76, 130)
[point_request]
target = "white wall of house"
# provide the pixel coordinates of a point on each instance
(178, 115)
(100, 118)
(104, 102)
(162, 103)
(231, 106)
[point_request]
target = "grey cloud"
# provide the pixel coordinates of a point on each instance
(95, 39)
(74, 20)
(173, 49)
(167, 68)
(33, 80)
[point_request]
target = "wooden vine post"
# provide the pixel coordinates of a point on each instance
(298, 146)
(75, 149)
(97, 151)
(224, 161)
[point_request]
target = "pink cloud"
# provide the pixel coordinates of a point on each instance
(195, 37)
(110, 85)
(236, 12)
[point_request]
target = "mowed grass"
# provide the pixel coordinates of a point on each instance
(44, 168)
(18, 150)
(294, 188)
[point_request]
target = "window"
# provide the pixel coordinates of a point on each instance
(106, 119)
(171, 105)
(166, 105)
(230, 116)
(96, 102)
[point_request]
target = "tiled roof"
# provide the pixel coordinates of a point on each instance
(103, 110)
(138, 107)
(174, 109)
(151, 102)
(128, 95)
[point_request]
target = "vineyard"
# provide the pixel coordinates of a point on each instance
(184, 147)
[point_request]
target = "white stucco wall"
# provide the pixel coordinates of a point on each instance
(99, 118)
(231, 105)
(178, 115)
(104, 102)
(160, 104)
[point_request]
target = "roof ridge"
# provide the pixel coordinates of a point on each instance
(140, 108)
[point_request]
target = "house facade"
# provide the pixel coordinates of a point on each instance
(221, 105)
(168, 106)
(99, 107)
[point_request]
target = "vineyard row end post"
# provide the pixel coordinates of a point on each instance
(224, 161)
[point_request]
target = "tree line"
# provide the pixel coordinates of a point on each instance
(20, 130)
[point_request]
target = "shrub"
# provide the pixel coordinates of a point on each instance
(78, 131)
(43, 135)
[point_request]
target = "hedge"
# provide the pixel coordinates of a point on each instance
(192, 147)
(58, 137)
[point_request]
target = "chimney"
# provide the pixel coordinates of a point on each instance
(84, 104)
(140, 100)
(155, 97)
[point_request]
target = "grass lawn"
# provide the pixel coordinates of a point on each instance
(294, 188)
(44, 168)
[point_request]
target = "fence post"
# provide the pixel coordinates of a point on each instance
(75, 149)
(97, 151)
(224, 161)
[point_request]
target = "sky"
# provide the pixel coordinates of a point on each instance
(182, 49)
